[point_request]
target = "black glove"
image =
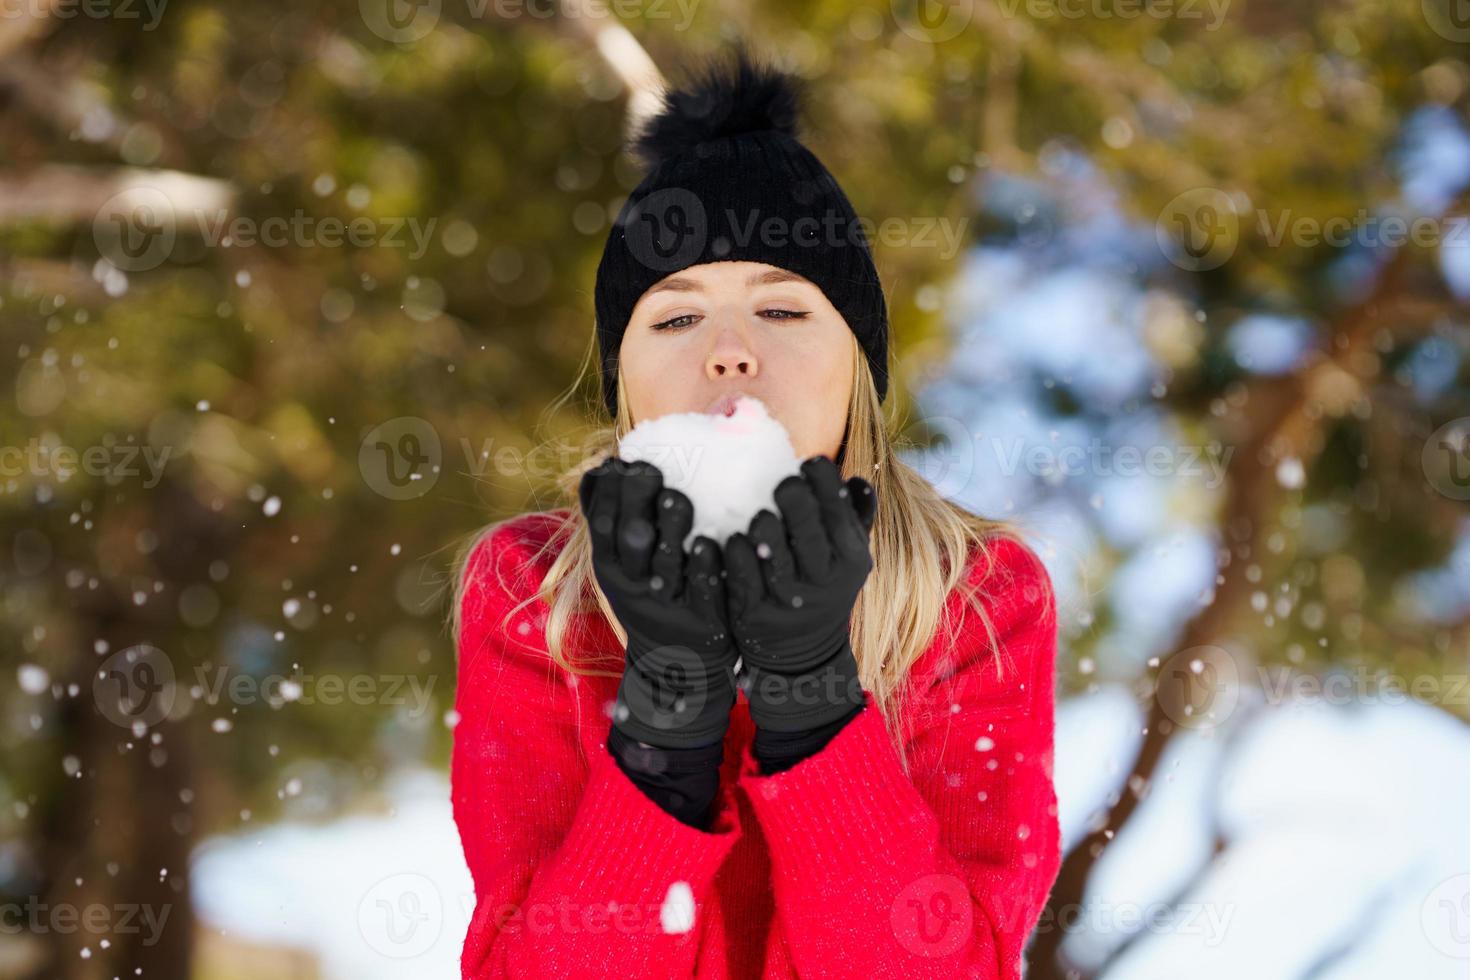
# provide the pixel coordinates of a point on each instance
(683, 782)
(779, 751)
(791, 585)
(678, 681)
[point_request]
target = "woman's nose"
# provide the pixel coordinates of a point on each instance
(734, 365)
(731, 356)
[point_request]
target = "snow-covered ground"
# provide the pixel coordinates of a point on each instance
(372, 896)
(1345, 835)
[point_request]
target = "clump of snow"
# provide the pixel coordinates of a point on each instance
(677, 914)
(727, 465)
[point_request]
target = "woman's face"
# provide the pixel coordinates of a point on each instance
(741, 328)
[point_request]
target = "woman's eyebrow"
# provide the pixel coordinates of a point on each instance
(676, 284)
(773, 276)
(683, 284)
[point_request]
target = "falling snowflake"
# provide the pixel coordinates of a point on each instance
(33, 679)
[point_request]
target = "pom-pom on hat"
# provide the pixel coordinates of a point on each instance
(729, 180)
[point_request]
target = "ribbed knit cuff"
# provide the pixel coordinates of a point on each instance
(824, 820)
(854, 790)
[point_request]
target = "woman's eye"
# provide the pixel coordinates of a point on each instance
(673, 323)
(684, 319)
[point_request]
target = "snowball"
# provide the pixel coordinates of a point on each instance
(727, 465)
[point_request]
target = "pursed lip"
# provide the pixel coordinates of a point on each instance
(725, 404)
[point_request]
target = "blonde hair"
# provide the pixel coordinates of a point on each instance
(922, 546)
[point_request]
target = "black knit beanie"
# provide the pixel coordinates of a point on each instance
(728, 180)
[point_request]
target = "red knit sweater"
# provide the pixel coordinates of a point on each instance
(842, 866)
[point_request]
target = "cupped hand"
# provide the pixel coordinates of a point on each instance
(792, 582)
(678, 680)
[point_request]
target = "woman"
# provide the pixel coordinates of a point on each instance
(840, 770)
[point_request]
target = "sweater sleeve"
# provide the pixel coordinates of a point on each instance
(576, 871)
(942, 872)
